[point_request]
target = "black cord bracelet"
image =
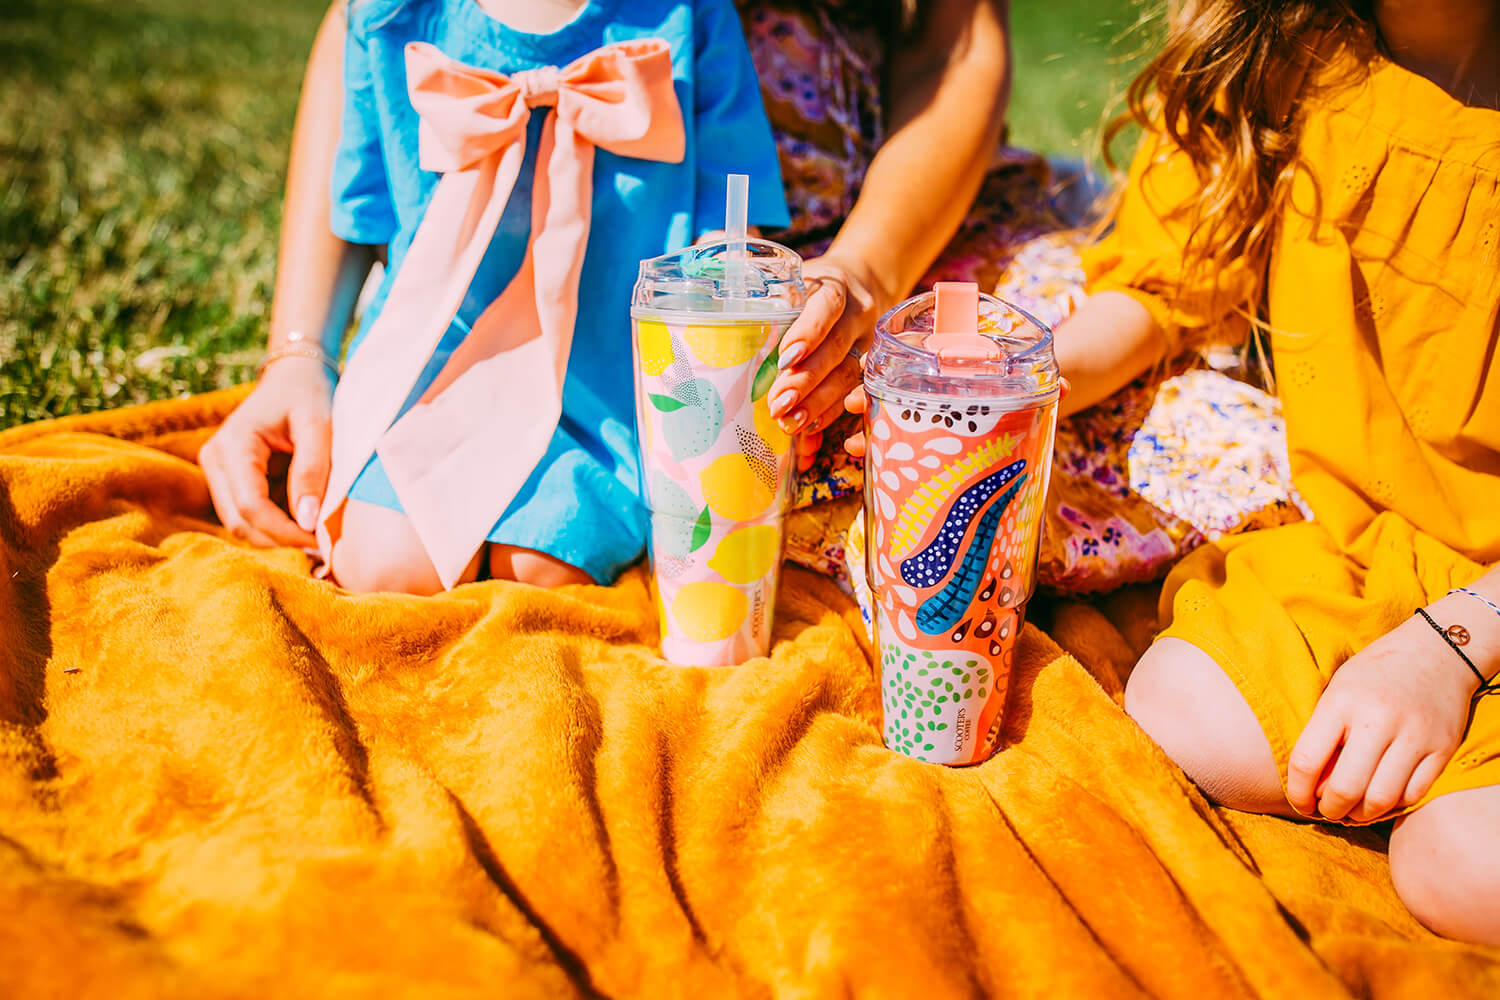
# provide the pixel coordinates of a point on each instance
(1485, 686)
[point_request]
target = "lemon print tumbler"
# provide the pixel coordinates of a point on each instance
(717, 471)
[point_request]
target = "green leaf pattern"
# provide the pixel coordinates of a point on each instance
(921, 695)
(702, 530)
(765, 376)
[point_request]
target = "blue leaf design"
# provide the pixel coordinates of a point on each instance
(928, 567)
(941, 612)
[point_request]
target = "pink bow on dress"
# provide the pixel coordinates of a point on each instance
(460, 455)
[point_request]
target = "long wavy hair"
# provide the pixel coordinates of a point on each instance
(1227, 88)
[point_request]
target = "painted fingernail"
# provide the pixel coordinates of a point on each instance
(792, 355)
(307, 513)
(783, 402)
(794, 422)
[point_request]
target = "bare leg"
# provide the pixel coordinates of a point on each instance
(378, 552)
(510, 562)
(1446, 867)
(1189, 706)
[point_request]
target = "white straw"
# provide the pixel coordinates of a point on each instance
(737, 208)
(736, 226)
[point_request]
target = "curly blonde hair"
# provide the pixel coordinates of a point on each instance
(1227, 89)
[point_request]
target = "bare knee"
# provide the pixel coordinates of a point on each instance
(1445, 868)
(511, 562)
(378, 552)
(368, 569)
(1189, 706)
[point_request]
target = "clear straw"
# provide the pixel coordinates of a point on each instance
(736, 226)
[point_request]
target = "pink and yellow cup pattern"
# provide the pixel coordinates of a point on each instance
(953, 513)
(718, 472)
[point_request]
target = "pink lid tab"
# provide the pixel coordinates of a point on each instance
(962, 347)
(955, 323)
(955, 307)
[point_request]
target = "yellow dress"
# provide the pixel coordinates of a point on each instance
(1384, 317)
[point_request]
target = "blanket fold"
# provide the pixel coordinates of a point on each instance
(220, 777)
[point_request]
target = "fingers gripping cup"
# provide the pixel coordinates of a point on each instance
(717, 471)
(963, 392)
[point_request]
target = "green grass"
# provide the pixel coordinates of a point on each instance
(142, 145)
(1072, 58)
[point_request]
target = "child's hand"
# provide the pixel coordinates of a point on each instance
(1384, 728)
(289, 411)
(817, 369)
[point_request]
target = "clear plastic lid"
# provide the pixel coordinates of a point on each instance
(737, 274)
(750, 276)
(971, 346)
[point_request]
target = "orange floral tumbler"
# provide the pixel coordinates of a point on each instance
(963, 392)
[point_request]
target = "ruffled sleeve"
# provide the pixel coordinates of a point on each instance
(1142, 256)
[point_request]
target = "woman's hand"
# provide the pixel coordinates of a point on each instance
(817, 368)
(287, 412)
(1384, 728)
(856, 402)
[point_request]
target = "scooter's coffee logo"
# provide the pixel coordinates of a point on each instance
(961, 729)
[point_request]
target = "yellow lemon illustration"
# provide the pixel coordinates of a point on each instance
(725, 346)
(708, 611)
(732, 490)
(656, 347)
(746, 554)
(769, 430)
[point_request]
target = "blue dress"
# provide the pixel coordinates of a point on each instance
(582, 504)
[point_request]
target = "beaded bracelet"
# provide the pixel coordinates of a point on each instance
(1478, 597)
(298, 345)
(1485, 686)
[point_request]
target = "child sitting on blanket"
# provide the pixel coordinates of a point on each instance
(850, 155)
(518, 160)
(1333, 168)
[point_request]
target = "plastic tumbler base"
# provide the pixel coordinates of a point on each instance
(938, 707)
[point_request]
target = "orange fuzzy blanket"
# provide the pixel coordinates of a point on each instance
(222, 778)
